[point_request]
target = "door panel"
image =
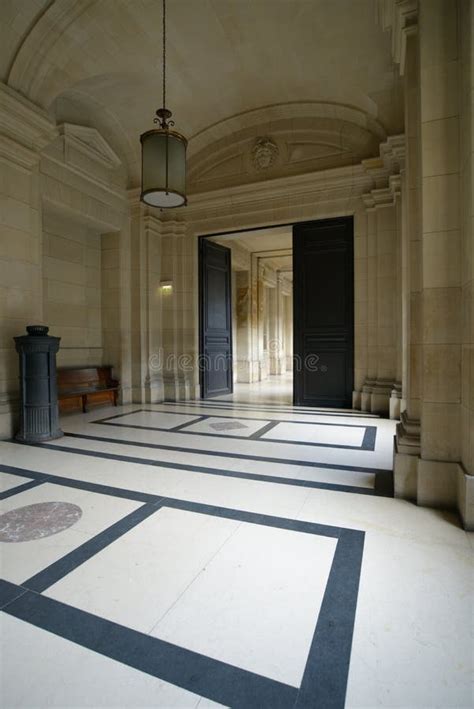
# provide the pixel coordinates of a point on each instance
(324, 312)
(215, 319)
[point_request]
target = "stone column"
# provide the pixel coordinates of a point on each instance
(262, 322)
(441, 284)
(25, 130)
(276, 343)
(396, 393)
(408, 431)
(288, 305)
(360, 306)
(467, 279)
(381, 301)
(243, 363)
(145, 297)
(179, 249)
(116, 306)
(371, 308)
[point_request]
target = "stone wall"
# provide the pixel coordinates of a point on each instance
(72, 289)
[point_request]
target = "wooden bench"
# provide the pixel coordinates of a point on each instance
(81, 387)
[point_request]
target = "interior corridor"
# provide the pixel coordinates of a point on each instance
(276, 389)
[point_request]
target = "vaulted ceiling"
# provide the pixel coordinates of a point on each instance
(97, 63)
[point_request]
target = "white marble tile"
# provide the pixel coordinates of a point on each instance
(413, 640)
(135, 580)
(22, 560)
(255, 605)
(41, 670)
(312, 433)
(8, 481)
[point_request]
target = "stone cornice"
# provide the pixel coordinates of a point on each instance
(385, 172)
(378, 198)
(25, 125)
(284, 188)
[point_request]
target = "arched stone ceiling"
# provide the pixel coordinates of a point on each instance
(97, 62)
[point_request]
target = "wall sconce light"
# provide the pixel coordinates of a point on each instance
(166, 286)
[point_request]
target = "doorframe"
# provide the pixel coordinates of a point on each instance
(291, 224)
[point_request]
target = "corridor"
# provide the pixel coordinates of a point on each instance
(224, 554)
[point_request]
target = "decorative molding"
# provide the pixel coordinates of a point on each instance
(25, 125)
(377, 198)
(400, 18)
(89, 142)
(385, 170)
(294, 110)
(285, 146)
(264, 153)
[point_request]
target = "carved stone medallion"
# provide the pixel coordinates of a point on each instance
(264, 153)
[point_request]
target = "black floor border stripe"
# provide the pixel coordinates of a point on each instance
(202, 675)
(225, 454)
(198, 419)
(240, 406)
(326, 673)
(20, 488)
(186, 432)
(84, 485)
(220, 472)
(63, 566)
(9, 592)
(264, 429)
(203, 417)
(370, 437)
(291, 525)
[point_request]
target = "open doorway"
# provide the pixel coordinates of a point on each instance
(256, 325)
(277, 314)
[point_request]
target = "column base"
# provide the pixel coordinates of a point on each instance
(247, 371)
(408, 435)
(380, 397)
(277, 365)
(434, 483)
(357, 400)
(395, 404)
(178, 388)
(366, 395)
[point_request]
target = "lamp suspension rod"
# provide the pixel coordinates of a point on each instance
(164, 53)
(164, 95)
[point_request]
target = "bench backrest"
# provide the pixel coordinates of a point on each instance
(76, 379)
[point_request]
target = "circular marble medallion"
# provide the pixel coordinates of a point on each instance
(42, 519)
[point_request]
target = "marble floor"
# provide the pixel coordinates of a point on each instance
(228, 553)
(276, 389)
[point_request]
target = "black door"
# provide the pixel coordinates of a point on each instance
(323, 312)
(215, 319)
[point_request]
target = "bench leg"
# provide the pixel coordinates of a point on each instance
(115, 394)
(84, 404)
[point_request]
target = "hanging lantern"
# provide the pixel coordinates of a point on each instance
(163, 155)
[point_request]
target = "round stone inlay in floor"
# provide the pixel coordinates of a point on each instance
(227, 425)
(42, 519)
